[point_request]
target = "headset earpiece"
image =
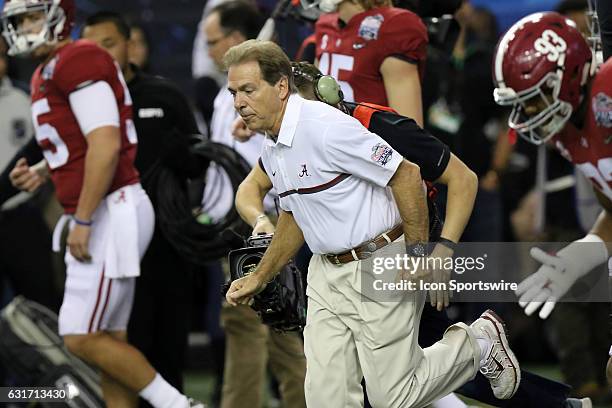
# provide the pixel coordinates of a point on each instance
(327, 90)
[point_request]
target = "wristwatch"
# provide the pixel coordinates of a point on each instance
(416, 249)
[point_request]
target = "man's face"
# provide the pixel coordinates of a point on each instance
(33, 23)
(258, 103)
(219, 41)
(138, 48)
(107, 36)
(30, 23)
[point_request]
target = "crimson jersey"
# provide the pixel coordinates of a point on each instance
(353, 53)
(590, 148)
(64, 146)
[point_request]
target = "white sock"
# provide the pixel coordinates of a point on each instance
(160, 394)
(450, 401)
(485, 345)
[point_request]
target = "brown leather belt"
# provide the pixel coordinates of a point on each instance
(366, 250)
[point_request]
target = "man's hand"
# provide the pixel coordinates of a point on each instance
(558, 273)
(440, 299)
(263, 225)
(242, 291)
(26, 178)
(78, 242)
(547, 285)
(240, 131)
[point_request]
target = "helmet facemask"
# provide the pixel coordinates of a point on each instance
(326, 6)
(552, 112)
(21, 42)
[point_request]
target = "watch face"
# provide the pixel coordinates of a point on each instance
(417, 250)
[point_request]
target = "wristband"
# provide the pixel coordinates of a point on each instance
(447, 243)
(82, 222)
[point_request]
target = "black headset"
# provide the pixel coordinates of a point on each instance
(326, 88)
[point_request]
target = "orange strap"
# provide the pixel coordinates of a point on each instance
(364, 111)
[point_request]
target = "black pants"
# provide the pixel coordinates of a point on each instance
(160, 319)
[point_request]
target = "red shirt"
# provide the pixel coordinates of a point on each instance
(64, 146)
(590, 148)
(353, 53)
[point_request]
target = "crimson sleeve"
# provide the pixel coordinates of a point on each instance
(404, 36)
(84, 65)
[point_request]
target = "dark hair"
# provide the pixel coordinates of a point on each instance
(109, 17)
(567, 6)
(239, 15)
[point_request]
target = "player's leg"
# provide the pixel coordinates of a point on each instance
(95, 305)
(119, 360)
(115, 393)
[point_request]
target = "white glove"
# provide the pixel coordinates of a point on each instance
(558, 273)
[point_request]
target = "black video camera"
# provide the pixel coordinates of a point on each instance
(282, 303)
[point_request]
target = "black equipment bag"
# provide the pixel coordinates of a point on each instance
(33, 354)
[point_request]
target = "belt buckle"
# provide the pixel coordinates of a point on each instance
(369, 250)
(333, 258)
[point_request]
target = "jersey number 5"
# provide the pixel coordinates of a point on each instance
(53, 147)
(331, 64)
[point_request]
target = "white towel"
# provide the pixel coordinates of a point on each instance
(122, 259)
(57, 232)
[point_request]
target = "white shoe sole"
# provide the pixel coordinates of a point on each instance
(500, 327)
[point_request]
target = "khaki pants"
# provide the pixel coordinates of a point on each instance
(250, 346)
(347, 338)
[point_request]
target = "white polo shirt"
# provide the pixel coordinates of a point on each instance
(331, 173)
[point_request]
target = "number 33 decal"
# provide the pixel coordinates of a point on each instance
(551, 45)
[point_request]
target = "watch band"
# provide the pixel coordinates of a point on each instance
(447, 243)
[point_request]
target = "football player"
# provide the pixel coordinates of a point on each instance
(545, 70)
(82, 115)
(375, 51)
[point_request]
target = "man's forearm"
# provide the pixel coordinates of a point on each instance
(287, 240)
(410, 197)
(462, 190)
(100, 164)
(249, 202)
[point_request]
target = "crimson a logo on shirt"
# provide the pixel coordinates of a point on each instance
(381, 153)
(602, 110)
